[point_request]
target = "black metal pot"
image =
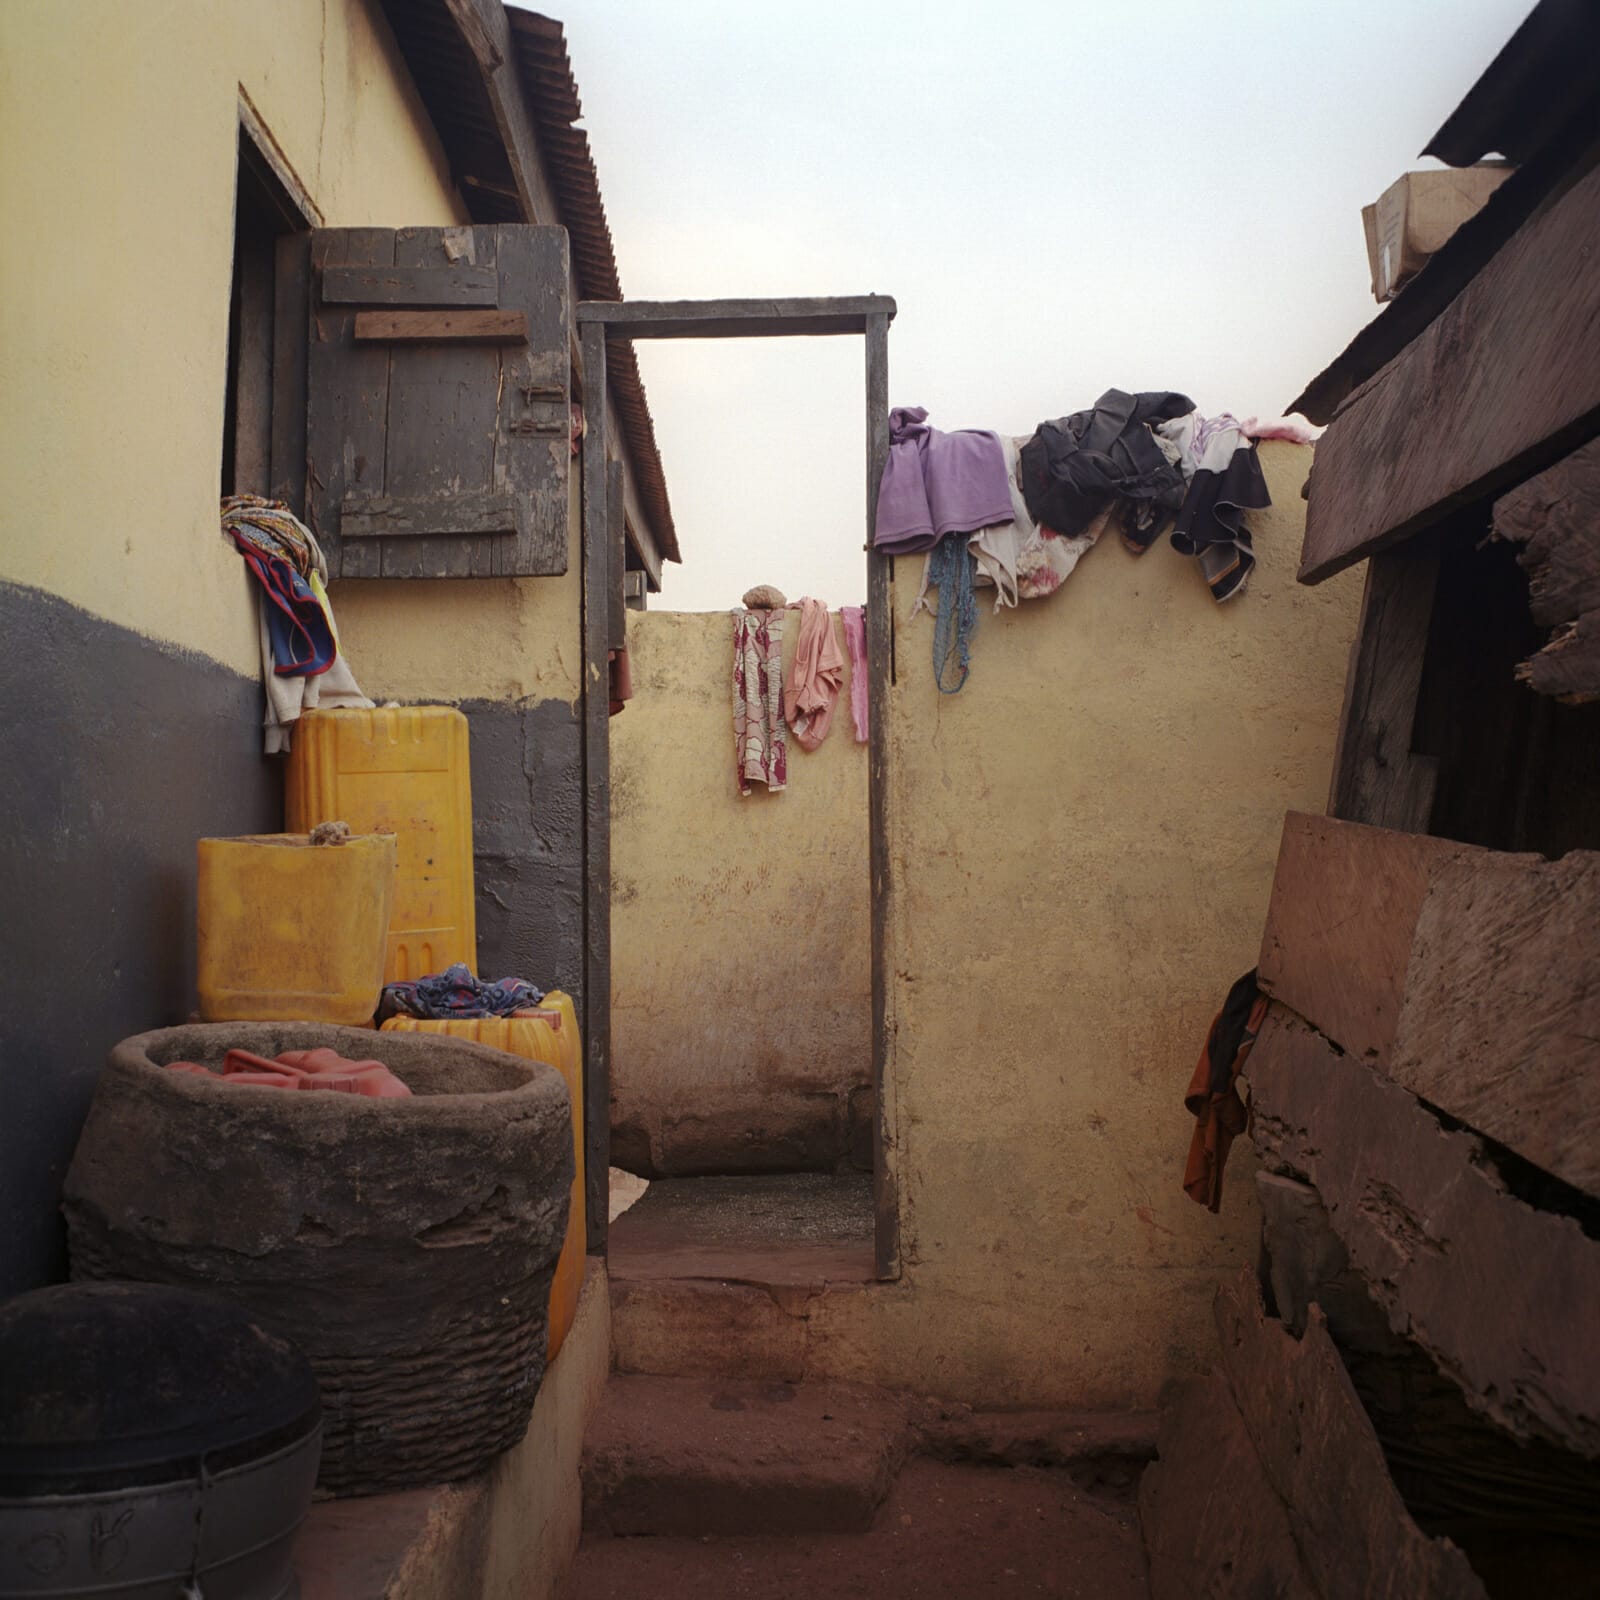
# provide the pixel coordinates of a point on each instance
(154, 1443)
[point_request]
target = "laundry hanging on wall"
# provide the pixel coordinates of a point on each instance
(302, 665)
(1143, 462)
(855, 643)
(936, 483)
(1223, 471)
(760, 739)
(816, 674)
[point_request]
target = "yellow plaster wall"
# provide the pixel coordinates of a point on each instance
(741, 978)
(118, 133)
(1083, 843)
(508, 639)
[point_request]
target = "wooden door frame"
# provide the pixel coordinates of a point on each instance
(597, 322)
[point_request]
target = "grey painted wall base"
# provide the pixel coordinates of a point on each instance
(116, 755)
(527, 825)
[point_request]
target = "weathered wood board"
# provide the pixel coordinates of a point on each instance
(1504, 1297)
(1344, 907)
(736, 319)
(1212, 1523)
(1318, 1451)
(1505, 380)
(1377, 778)
(1568, 668)
(1460, 1475)
(1500, 1025)
(442, 433)
(1555, 518)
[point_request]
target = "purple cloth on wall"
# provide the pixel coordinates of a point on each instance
(937, 483)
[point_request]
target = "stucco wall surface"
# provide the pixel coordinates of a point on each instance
(741, 976)
(118, 139)
(1083, 844)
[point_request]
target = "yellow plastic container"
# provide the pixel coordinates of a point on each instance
(291, 931)
(400, 770)
(554, 1040)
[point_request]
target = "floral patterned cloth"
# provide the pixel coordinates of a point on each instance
(760, 745)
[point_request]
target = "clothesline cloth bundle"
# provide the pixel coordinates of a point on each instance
(302, 666)
(769, 704)
(1148, 458)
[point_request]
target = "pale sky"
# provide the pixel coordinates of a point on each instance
(1062, 197)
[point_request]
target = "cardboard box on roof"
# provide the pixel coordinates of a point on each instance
(1415, 215)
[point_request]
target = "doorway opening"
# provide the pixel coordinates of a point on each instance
(810, 1195)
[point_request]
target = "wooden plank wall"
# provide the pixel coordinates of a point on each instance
(1508, 378)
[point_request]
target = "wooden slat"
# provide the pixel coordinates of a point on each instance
(1500, 1026)
(445, 403)
(454, 327)
(1503, 1296)
(458, 284)
(535, 276)
(1377, 778)
(735, 319)
(596, 801)
(1504, 382)
(880, 665)
(452, 515)
(1318, 1451)
(1344, 907)
(347, 402)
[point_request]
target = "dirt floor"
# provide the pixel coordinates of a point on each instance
(796, 1227)
(946, 1532)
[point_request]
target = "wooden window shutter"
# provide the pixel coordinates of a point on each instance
(438, 418)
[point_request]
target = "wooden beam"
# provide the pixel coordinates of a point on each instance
(1505, 1297)
(735, 319)
(1318, 1451)
(487, 32)
(1502, 384)
(413, 516)
(459, 284)
(290, 321)
(616, 550)
(880, 677)
(454, 327)
(1377, 778)
(1344, 907)
(1500, 1026)
(596, 799)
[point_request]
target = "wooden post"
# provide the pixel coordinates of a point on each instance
(596, 556)
(880, 675)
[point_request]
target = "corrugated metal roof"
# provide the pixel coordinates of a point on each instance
(451, 85)
(1538, 104)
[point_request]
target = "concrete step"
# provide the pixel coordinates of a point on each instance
(947, 1532)
(706, 1456)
